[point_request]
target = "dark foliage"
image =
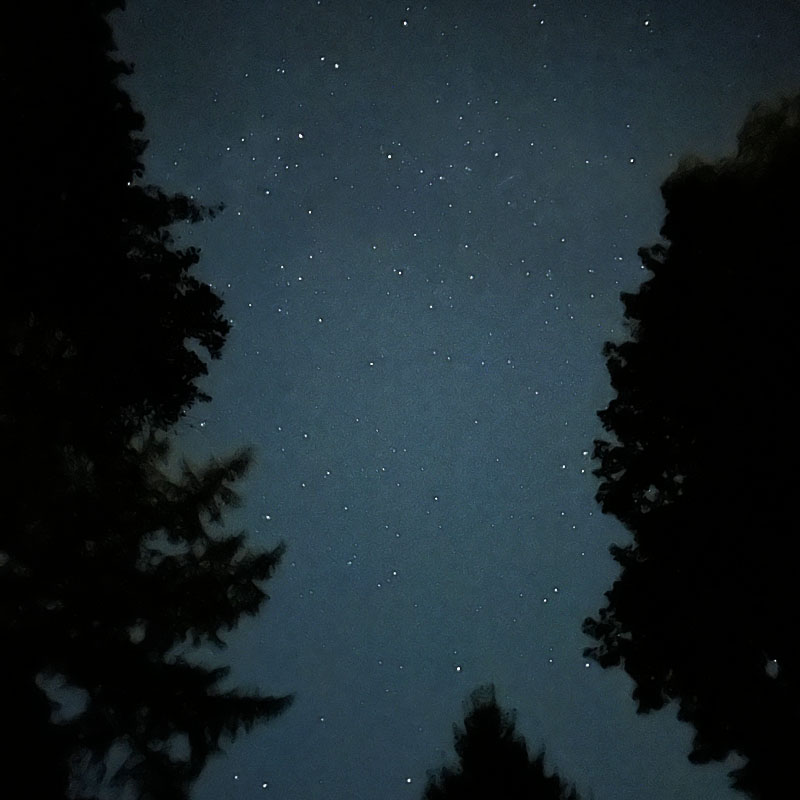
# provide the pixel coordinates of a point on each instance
(493, 760)
(98, 308)
(106, 590)
(113, 566)
(702, 466)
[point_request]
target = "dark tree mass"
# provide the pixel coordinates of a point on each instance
(113, 565)
(493, 760)
(701, 465)
(99, 305)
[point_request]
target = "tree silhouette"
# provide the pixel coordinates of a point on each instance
(115, 611)
(114, 566)
(701, 468)
(100, 313)
(493, 760)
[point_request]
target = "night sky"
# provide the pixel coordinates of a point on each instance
(431, 211)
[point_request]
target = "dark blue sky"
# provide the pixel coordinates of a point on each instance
(431, 212)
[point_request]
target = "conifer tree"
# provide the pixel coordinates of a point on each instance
(114, 567)
(493, 760)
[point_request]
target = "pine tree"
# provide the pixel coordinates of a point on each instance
(114, 568)
(493, 760)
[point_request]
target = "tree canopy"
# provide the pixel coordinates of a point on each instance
(701, 465)
(493, 760)
(101, 315)
(114, 566)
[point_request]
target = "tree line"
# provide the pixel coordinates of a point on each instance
(115, 565)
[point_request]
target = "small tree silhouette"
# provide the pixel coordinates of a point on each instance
(493, 761)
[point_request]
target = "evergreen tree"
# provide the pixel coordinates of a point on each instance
(103, 325)
(493, 760)
(113, 568)
(701, 466)
(112, 611)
